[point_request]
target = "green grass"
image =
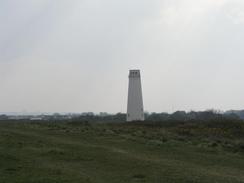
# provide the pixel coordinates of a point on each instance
(116, 153)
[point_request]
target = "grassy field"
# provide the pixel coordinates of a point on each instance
(116, 153)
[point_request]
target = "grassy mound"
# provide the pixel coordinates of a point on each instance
(172, 151)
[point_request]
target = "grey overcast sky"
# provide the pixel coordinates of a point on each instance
(74, 55)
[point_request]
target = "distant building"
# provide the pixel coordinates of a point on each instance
(19, 117)
(36, 119)
(135, 111)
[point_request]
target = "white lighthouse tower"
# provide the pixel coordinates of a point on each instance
(135, 111)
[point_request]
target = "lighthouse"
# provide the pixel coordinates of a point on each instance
(135, 111)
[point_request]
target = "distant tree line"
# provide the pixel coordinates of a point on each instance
(190, 116)
(150, 117)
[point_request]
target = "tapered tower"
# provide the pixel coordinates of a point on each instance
(135, 111)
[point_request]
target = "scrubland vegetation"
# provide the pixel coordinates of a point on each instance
(79, 151)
